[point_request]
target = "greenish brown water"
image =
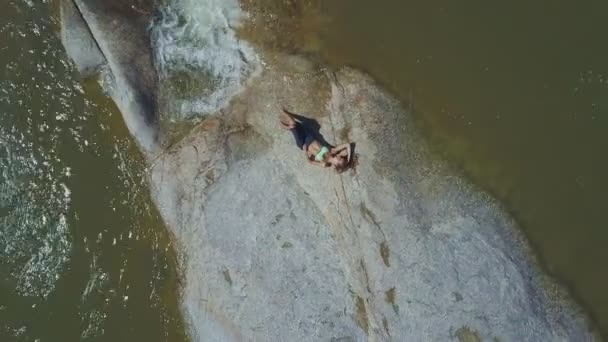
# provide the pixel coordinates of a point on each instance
(515, 94)
(84, 254)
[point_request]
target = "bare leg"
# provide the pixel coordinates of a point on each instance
(286, 120)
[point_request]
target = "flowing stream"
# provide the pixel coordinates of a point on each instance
(84, 254)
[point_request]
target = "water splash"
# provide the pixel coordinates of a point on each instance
(200, 59)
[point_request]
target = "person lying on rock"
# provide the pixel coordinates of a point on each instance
(317, 150)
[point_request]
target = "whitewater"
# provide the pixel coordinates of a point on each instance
(197, 40)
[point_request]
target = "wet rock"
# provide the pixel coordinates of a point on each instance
(118, 30)
(78, 41)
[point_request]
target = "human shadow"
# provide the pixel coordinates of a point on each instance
(311, 126)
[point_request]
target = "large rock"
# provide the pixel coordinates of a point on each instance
(114, 33)
(278, 250)
(79, 42)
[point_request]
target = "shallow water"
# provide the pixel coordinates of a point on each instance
(84, 255)
(515, 95)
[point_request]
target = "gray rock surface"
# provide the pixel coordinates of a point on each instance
(278, 250)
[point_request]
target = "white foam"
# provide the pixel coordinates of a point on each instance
(198, 37)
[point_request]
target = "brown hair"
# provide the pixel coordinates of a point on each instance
(352, 164)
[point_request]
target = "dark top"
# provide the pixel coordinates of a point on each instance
(302, 136)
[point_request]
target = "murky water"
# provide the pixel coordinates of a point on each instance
(84, 255)
(515, 94)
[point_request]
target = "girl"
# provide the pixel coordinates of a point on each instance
(317, 151)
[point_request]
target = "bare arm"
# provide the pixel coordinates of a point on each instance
(314, 162)
(340, 148)
(342, 151)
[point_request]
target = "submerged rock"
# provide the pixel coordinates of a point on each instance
(397, 249)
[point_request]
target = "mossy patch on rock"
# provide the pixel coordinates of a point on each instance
(466, 334)
(390, 296)
(361, 314)
(385, 253)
